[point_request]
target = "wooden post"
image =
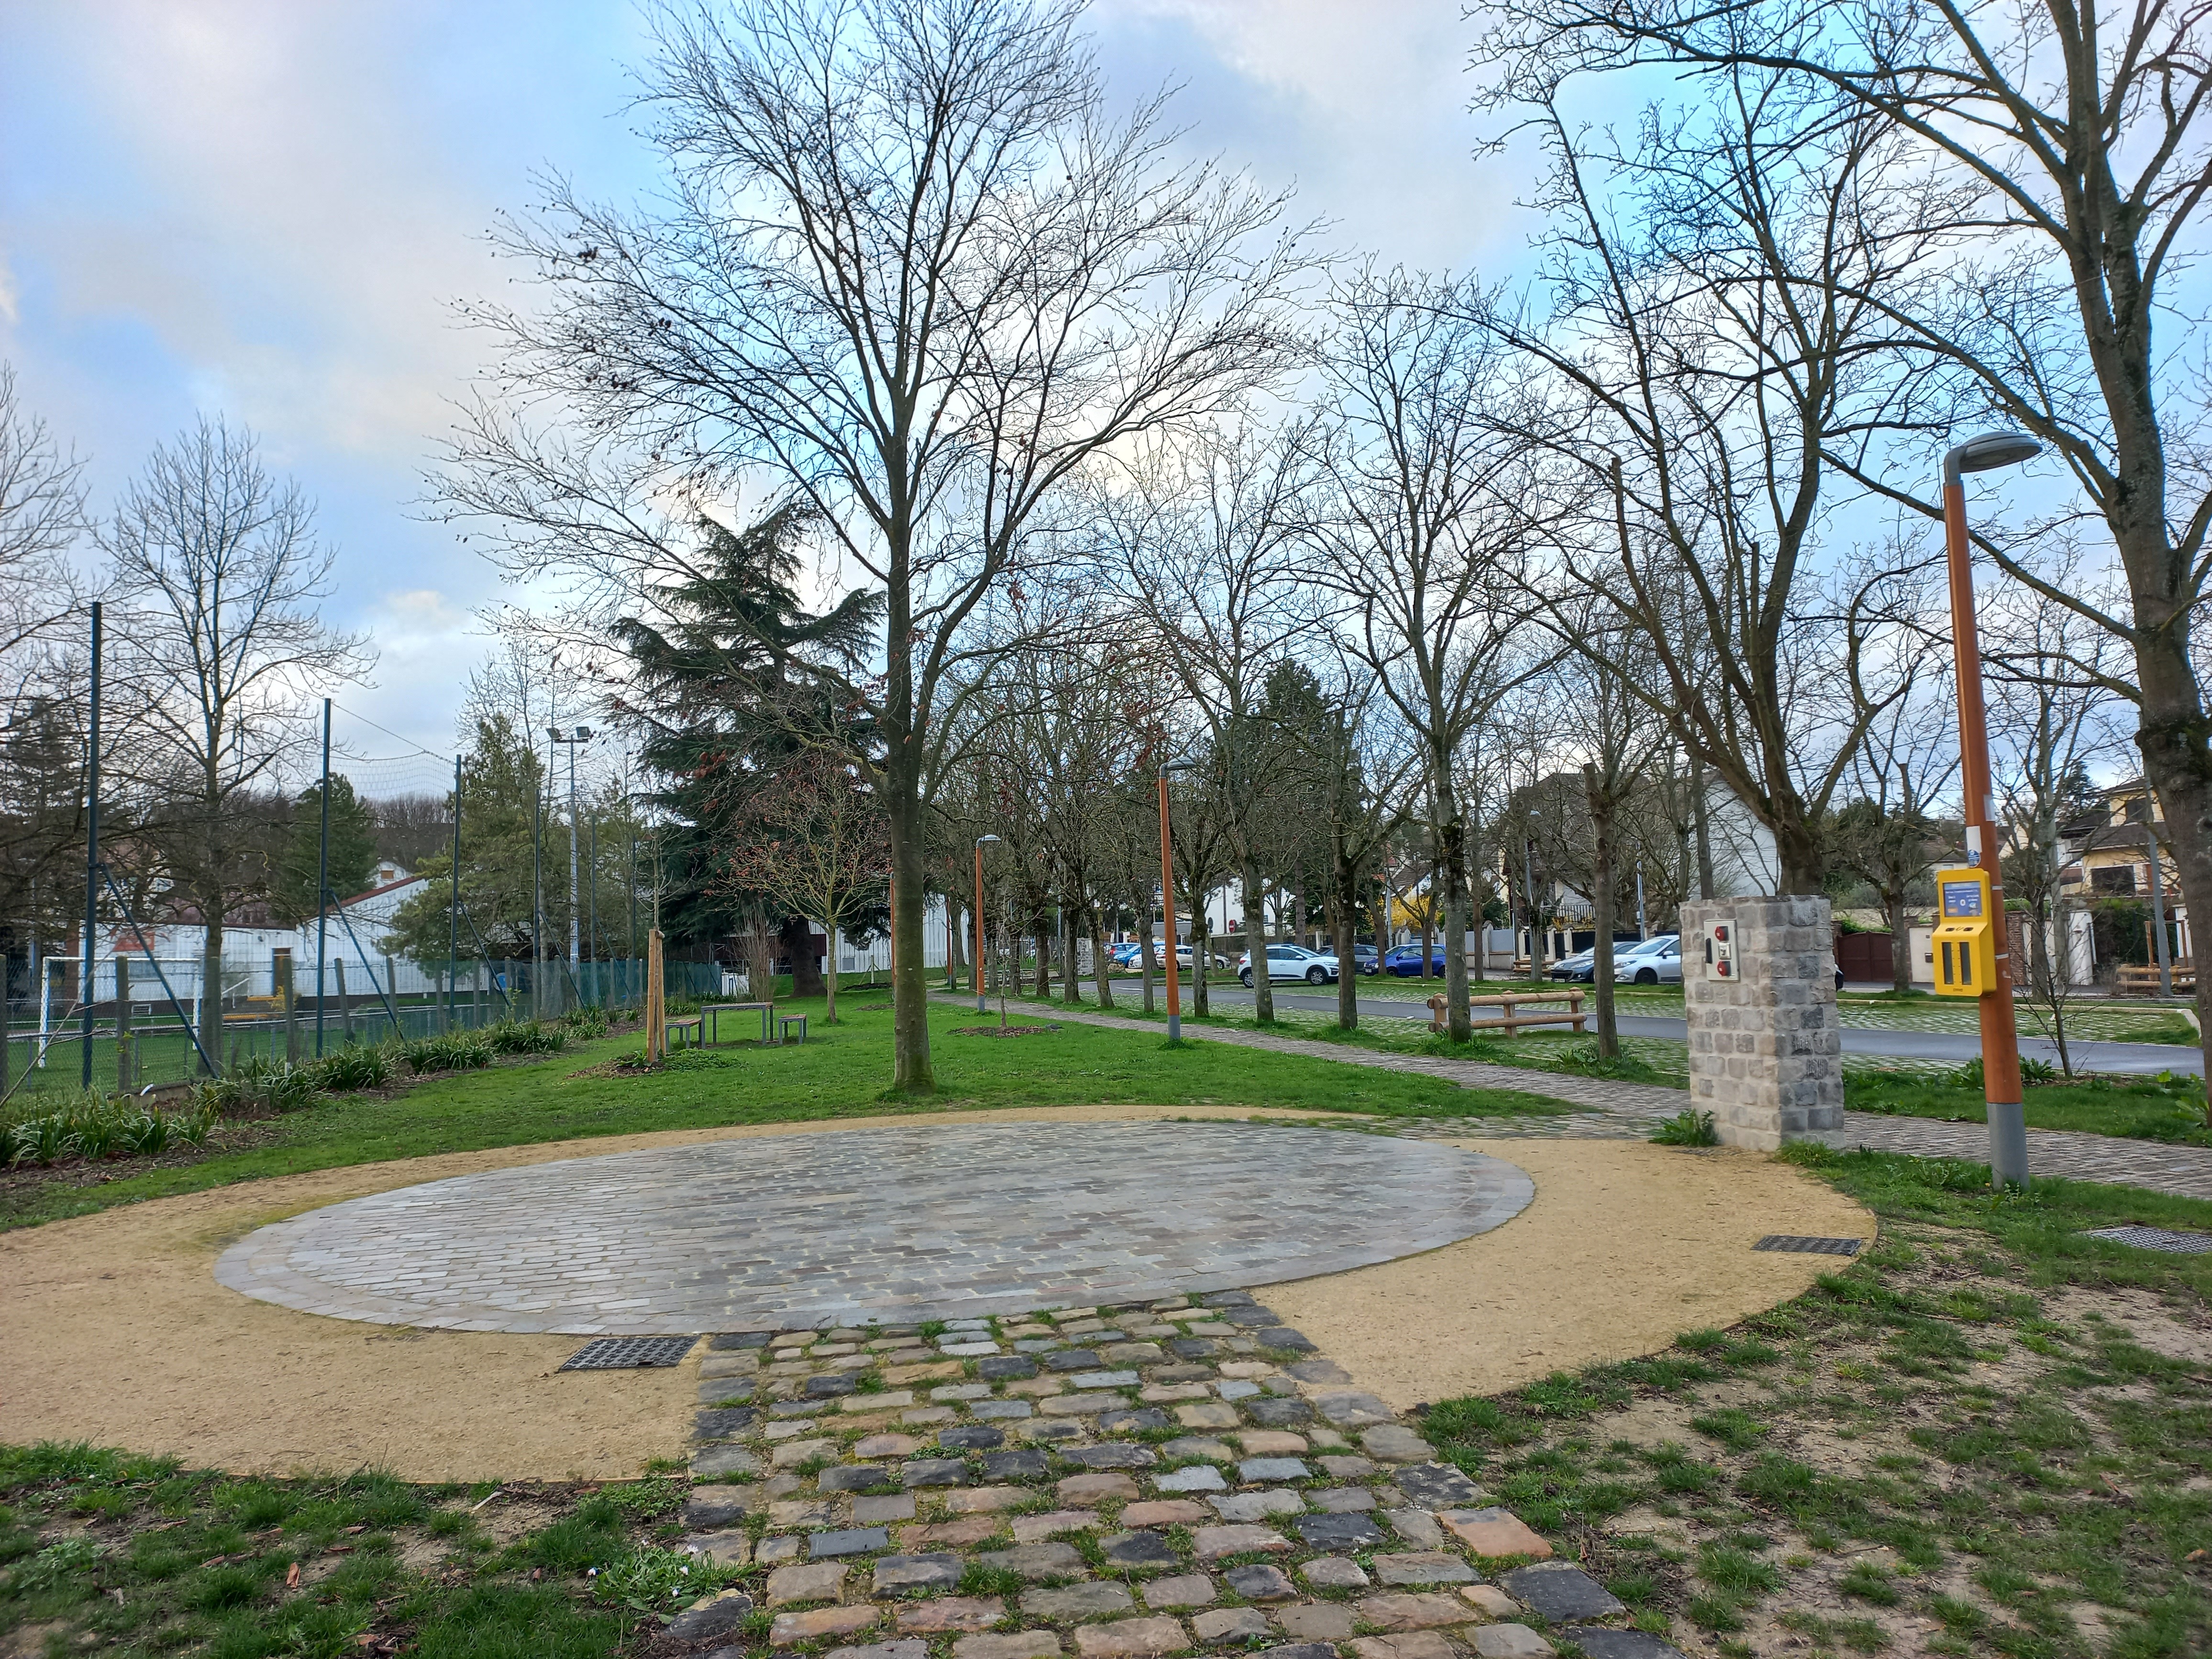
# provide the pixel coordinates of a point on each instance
(290, 1004)
(123, 1055)
(656, 1003)
(345, 1003)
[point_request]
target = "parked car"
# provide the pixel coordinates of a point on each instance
(1405, 961)
(1291, 962)
(1578, 968)
(1656, 961)
(1366, 959)
(1130, 953)
(1183, 959)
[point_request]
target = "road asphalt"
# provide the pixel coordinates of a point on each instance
(1959, 1047)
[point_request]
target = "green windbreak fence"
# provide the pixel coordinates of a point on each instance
(145, 1046)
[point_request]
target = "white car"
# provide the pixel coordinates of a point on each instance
(1656, 961)
(1183, 959)
(1291, 962)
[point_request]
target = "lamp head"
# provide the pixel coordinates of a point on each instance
(1989, 452)
(985, 841)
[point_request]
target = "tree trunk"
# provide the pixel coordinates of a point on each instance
(1256, 937)
(829, 979)
(2173, 735)
(1201, 950)
(1071, 981)
(1601, 812)
(798, 942)
(1099, 962)
(211, 989)
(1797, 854)
(1342, 911)
(1145, 952)
(955, 940)
(1900, 940)
(1451, 844)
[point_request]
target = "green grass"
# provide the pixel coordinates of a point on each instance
(1949, 1435)
(841, 1071)
(2138, 1109)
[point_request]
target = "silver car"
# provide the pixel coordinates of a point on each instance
(1656, 961)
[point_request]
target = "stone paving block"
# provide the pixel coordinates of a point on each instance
(1320, 1374)
(734, 1340)
(717, 1461)
(1132, 1422)
(928, 1416)
(1199, 1476)
(1414, 1645)
(935, 1471)
(1335, 1572)
(983, 1500)
(1064, 1428)
(1074, 1360)
(896, 1574)
(1016, 1465)
(912, 1649)
(1021, 1645)
(969, 1436)
(1392, 1443)
(1519, 1642)
(1341, 1500)
(831, 1385)
(968, 1613)
(790, 1629)
(1106, 1379)
(1339, 1532)
(1279, 1413)
(1116, 1454)
(1081, 1405)
(1131, 1638)
(854, 1477)
(887, 1445)
(1261, 1582)
(993, 1411)
(792, 1452)
(890, 1400)
(1349, 1409)
(1198, 1445)
(1236, 1388)
(1006, 1367)
(1192, 1589)
(710, 1508)
(1417, 1526)
(770, 1551)
(1078, 1491)
(1495, 1532)
(1133, 1353)
(1282, 1336)
(851, 1540)
(1315, 1621)
(1414, 1610)
(1210, 1328)
(1165, 1512)
(1418, 1567)
(966, 1350)
(1036, 1560)
(1489, 1600)
(1194, 1347)
(1231, 1624)
(896, 1376)
(1209, 1414)
(814, 1582)
(872, 1512)
(1077, 1601)
(1559, 1590)
(1347, 1468)
(1166, 1394)
(733, 1548)
(815, 1514)
(1273, 1468)
(1436, 1486)
(1216, 1543)
(1037, 1528)
(717, 1615)
(956, 1534)
(1271, 1443)
(1138, 1550)
(1598, 1643)
(1257, 1505)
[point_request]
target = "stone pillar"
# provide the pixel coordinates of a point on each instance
(1765, 1051)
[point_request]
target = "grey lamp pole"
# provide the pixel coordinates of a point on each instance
(577, 734)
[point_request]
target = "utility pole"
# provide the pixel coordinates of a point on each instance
(323, 881)
(89, 979)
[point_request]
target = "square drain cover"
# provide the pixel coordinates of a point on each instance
(1797, 1246)
(622, 1353)
(2156, 1238)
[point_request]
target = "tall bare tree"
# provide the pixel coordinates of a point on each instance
(217, 573)
(907, 267)
(41, 516)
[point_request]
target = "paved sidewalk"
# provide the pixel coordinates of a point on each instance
(1627, 1110)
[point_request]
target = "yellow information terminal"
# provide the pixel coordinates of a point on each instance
(1966, 935)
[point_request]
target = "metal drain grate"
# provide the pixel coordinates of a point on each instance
(2157, 1239)
(1797, 1246)
(622, 1353)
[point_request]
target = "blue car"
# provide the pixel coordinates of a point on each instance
(1405, 961)
(1367, 959)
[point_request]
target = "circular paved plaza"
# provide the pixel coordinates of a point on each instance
(936, 1220)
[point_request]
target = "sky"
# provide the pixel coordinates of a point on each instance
(266, 210)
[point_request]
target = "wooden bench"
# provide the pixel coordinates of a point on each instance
(1512, 1020)
(785, 1022)
(713, 1012)
(2144, 982)
(696, 1025)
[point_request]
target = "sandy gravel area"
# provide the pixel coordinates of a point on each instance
(113, 1330)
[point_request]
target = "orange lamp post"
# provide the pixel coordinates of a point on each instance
(2000, 1083)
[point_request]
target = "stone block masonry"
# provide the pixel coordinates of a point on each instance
(1766, 1050)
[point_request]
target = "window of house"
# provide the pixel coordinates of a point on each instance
(2113, 879)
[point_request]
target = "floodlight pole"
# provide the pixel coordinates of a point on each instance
(2001, 1081)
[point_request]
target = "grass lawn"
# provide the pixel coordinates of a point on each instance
(841, 1071)
(1989, 1436)
(2137, 1108)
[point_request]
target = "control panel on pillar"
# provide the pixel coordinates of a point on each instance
(1720, 949)
(1966, 935)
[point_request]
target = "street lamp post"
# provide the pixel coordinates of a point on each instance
(982, 997)
(2001, 1084)
(577, 734)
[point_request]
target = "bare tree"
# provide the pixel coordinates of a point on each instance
(1419, 519)
(41, 518)
(2071, 141)
(1886, 834)
(217, 573)
(909, 269)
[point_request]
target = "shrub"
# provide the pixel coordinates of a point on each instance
(452, 1051)
(351, 1069)
(1687, 1127)
(145, 1134)
(260, 1083)
(42, 1140)
(649, 1580)
(527, 1037)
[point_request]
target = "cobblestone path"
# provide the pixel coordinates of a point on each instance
(1112, 1483)
(1625, 1111)
(937, 1220)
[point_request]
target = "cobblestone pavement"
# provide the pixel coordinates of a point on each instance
(937, 1220)
(1113, 1483)
(1625, 1111)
